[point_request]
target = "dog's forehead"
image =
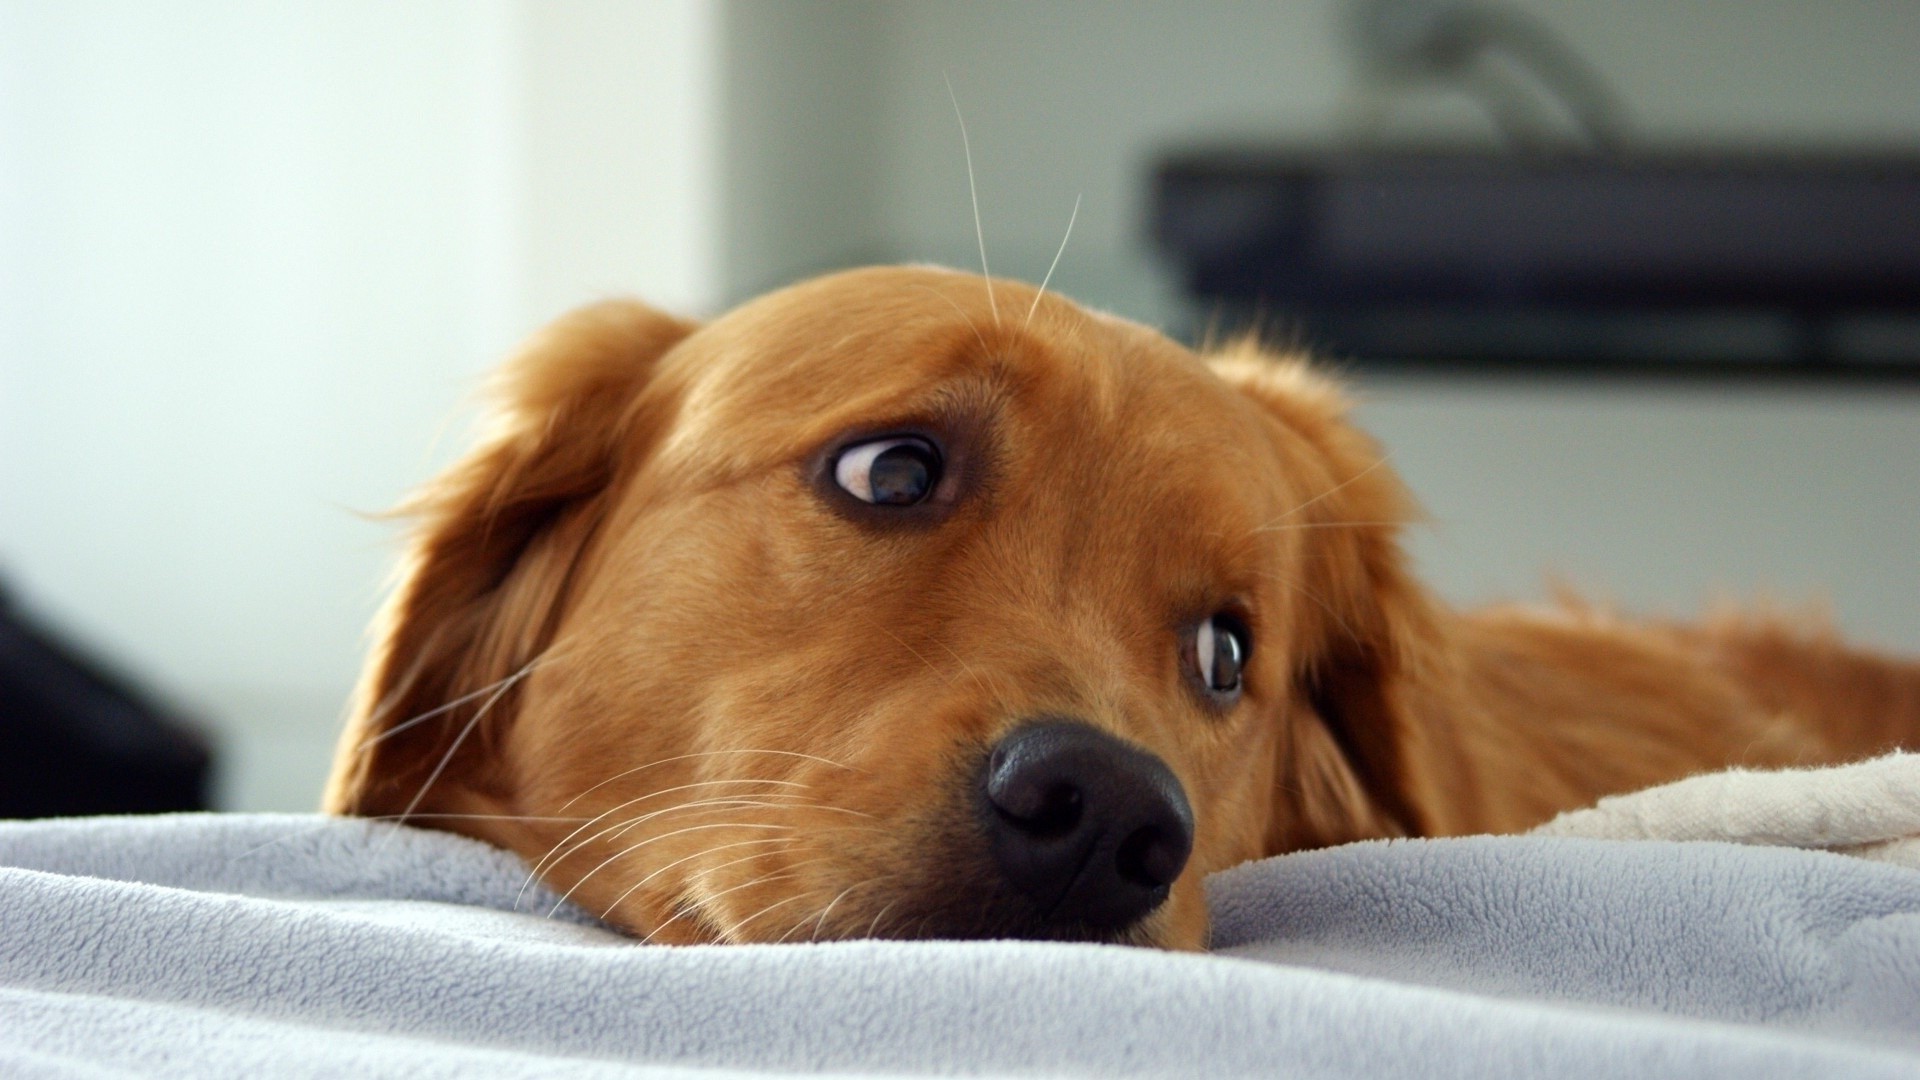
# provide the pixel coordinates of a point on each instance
(793, 370)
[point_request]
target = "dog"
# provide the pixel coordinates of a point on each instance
(906, 603)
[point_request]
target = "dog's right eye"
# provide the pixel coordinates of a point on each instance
(898, 471)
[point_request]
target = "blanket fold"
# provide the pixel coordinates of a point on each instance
(208, 946)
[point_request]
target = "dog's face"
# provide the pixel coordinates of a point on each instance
(883, 607)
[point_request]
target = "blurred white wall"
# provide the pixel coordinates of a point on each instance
(254, 256)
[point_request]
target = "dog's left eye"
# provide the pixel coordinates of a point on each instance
(888, 472)
(1215, 652)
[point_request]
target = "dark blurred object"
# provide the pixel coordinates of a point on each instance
(75, 739)
(1511, 63)
(1803, 261)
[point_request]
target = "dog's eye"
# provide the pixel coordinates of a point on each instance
(888, 472)
(1216, 654)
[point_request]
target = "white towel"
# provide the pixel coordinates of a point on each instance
(1870, 809)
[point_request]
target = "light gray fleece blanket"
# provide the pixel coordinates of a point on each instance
(290, 946)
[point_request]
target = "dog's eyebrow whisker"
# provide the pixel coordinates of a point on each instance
(1071, 218)
(971, 325)
(624, 852)
(979, 231)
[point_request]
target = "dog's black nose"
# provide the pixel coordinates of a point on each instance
(1089, 828)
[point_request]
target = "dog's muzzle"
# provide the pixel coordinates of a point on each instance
(1090, 829)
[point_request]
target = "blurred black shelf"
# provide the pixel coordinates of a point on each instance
(78, 738)
(1684, 264)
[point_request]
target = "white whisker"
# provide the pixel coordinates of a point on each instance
(875, 924)
(978, 230)
(553, 853)
(686, 910)
(620, 829)
(471, 817)
(1330, 492)
(624, 852)
(451, 705)
(631, 889)
(704, 754)
(1291, 526)
(479, 714)
(971, 325)
(1071, 218)
(734, 931)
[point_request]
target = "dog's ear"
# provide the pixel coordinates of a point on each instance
(495, 541)
(1360, 752)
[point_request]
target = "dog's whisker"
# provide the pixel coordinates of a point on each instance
(1071, 218)
(968, 668)
(466, 730)
(619, 829)
(971, 325)
(803, 920)
(706, 754)
(609, 812)
(471, 817)
(688, 908)
(979, 230)
(820, 920)
(1319, 601)
(700, 875)
(642, 883)
(872, 926)
(442, 710)
(734, 931)
(630, 849)
(1330, 492)
(1290, 526)
(917, 654)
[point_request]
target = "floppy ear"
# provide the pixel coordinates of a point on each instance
(1364, 745)
(486, 570)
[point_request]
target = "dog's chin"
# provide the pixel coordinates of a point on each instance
(960, 902)
(951, 918)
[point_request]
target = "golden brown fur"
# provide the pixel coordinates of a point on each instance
(633, 642)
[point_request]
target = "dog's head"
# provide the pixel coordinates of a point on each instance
(883, 607)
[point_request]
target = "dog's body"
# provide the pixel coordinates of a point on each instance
(891, 605)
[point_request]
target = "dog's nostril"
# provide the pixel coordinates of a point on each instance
(1042, 812)
(1150, 857)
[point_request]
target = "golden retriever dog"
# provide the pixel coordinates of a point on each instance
(901, 603)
